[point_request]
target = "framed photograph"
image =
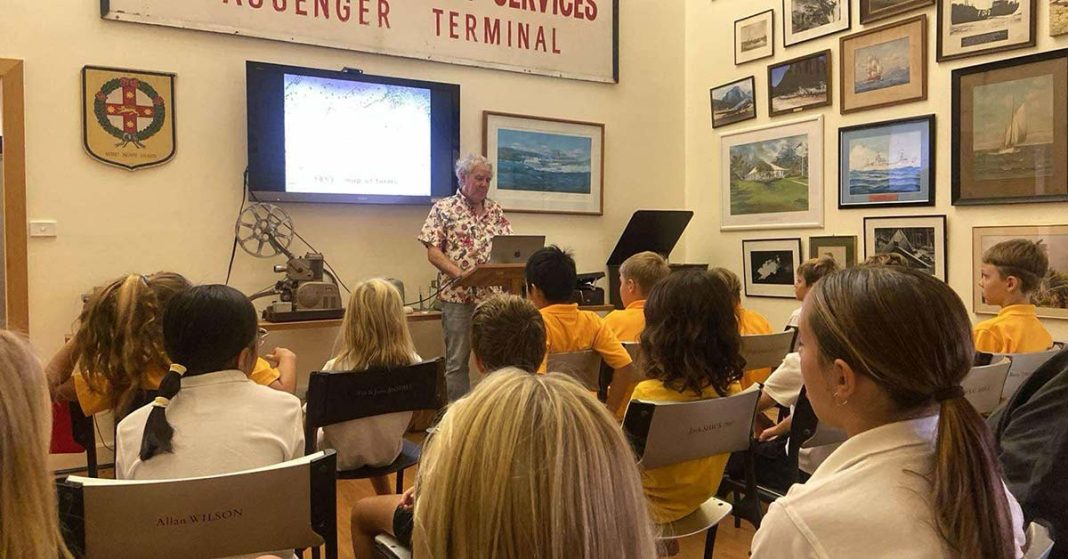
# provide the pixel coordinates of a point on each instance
(884, 66)
(970, 27)
(804, 20)
(888, 163)
(769, 266)
(1051, 298)
(754, 37)
(1010, 131)
(842, 249)
(799, 84)
(875, 10)
(545, 165)
(733, 102)
(1058, 17)
(920, 239)
(772, 177)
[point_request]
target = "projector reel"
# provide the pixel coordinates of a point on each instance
(264, 230)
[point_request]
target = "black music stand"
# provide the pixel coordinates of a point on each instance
(654, 230)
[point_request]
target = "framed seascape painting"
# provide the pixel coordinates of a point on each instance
(971, 27)
(1051, 298)
(769, 266)
(888, 163)
(875, 10)
(754, 37)
(733, 102)
(842, 249)
(921, 240)
(799, 84)
(772, 177)
(545, 165)
(1058, 17)
(884, 66)
(1010, 131)
(804, 20)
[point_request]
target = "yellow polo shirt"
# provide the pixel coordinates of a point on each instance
(1016, 329)
(627, 324)
(677, 490)
(96, 400)
(569, 329)
(752, 323)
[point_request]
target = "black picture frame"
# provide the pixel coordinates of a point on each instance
(783, 287)
(941, 56)
(939, 244)
(827, 101)
(867, 16)
(787, 17)
(877, 200)
(771, 36)
(727, 121)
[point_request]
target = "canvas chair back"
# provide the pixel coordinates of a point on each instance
(766, 351)
(1023, 365)
(1039, 541)
(983, 385)
(584, 366)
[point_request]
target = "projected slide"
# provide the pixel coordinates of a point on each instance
(347, 137)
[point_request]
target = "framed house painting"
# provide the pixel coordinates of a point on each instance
(754, 37)
(799, 84)
(545, 165)
(843, 249)
(804, 20)
(1051, 298)
(875, 10)
(884, 66)
(888, 163)
(772, 177)
(733, 102)
(769, 266)
(972, 27)
(1010, 131)
(921, 240)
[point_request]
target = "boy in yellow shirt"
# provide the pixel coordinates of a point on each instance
(1011, 271)
(551, 279)
(637, 276)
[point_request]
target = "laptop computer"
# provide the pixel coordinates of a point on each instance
(515, 249)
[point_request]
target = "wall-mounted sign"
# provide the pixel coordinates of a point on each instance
(575, 39)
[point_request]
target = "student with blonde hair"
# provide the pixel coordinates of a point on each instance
(29, 526)
(808, 273)
(637, 277)
(374, 333)
(750, 322)
(917, 476)
(530, 466)
(1011, 271)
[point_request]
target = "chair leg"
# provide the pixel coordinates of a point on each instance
(400, 482)
(710, 541)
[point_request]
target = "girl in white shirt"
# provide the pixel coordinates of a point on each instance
(883, 351)
(374, 333)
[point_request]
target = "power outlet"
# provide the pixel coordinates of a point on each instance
(42, 228)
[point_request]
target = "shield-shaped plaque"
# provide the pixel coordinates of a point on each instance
(128, 116)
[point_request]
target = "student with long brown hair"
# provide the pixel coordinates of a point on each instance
(917, 476)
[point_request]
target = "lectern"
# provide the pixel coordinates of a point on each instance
(510, 277)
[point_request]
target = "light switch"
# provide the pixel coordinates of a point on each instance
(42, 228)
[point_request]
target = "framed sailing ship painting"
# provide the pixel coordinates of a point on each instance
(971, 27)
(884, 66)
(1010, 131)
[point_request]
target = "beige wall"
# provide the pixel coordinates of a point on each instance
(180, 216)
(709, 63)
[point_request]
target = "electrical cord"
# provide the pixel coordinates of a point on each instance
(432, 296)
(233, 249)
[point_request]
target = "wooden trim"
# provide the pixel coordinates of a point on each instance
(15, 272)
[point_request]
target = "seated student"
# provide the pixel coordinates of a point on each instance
(808, 273)
(1010, 272)
(637, 276)
(209, 417)
(691, 347)
(118, 352)
(551, 279)
(1032, 447)
(374, 333)
(543, 470)
(507, 334)
(750, 322)
(917, 476)
(29, 527)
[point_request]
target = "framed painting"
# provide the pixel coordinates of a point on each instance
(772, 177)
(733, 102)
(804, 20)
(875, 10)
(1058, 17)
(1010, 131)
(754, 37)
(799, 84)
(972, 27)
(884, 66)
(921, 240)
(842, 249)
(1051, 298)
(769, 266)
(545, 165)
(888, 163)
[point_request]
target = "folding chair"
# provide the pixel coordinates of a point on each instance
(672, 432)
(607, 372)
(983, 386)
(339, 397)
(584, 366)
(83, 431)
(1023, 364)
(387, 547)
(1039, 541)
(287, 506)
(766, 351)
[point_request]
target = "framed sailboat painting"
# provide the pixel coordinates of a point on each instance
(1010, 131)
(884, 66)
